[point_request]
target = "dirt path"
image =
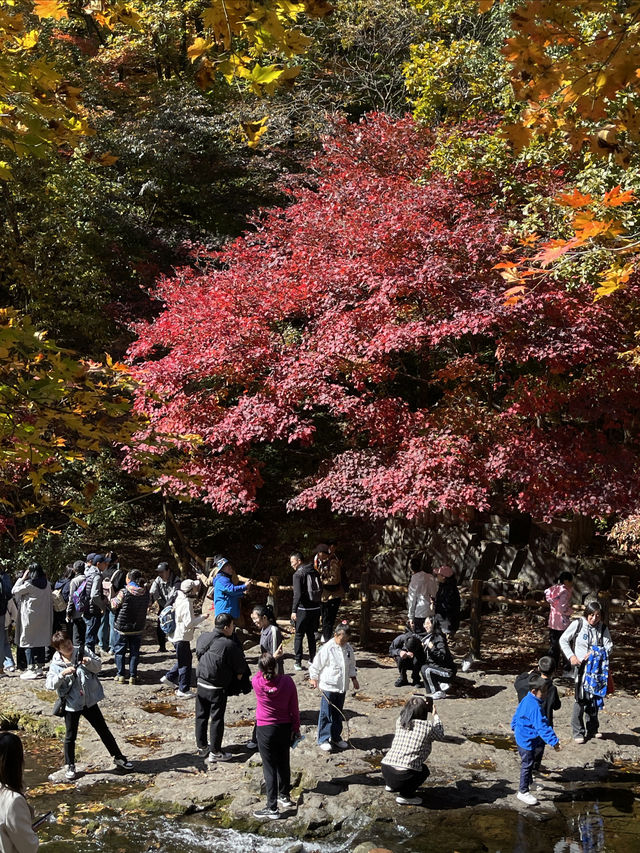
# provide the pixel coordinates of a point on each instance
(476, 766)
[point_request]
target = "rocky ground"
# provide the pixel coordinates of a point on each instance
(477, 765)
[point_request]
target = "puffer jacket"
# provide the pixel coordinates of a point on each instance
(131, 605)
(333, 666)
(80, 690)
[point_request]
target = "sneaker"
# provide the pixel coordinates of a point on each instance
(182, 695)
(400, 682)
(286, 803)
(203, 751)
(439, 694)
(134, 680)
(444, 686)
(467, 663)
(165, 680)
(598, 735)
(9, 669)
(251, 744)
(387, 788)
(297, 667)
(526, 797)
(269, 814)
(123, 763)
(120, 679)
(578, 740)
(219, 756)
(70, 772)
(340, 744)
(326, 746)
(29, 675)
(409, 801)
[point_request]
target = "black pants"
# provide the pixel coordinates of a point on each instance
(78, 632)
(329, 611)
(404, 782)
(274, 743)
(210, 709)
(162, 637)
(92, 715)
(432, 675)
(406, 665)
(306, 626)
(554, 646)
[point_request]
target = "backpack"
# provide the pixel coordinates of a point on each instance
(82, 597)
(314, 587)
(59, 604)
(167, 619)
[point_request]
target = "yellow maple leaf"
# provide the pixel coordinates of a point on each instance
(50, 9)
(613, 279)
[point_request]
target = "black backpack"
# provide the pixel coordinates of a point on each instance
(314, 587)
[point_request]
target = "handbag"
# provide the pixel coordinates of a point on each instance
(59, 707)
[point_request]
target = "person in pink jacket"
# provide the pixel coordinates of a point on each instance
(277, 727)
(559, 597)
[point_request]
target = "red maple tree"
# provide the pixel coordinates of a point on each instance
(372, 302)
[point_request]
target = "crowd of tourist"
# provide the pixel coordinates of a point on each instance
(97, 608)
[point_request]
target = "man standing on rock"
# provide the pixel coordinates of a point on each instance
(305, 610)
(221, 666)
(163, 591)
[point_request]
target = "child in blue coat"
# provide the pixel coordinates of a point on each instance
(532, 730)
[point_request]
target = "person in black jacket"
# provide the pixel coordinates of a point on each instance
(408, 653)
(440, 667)
(551, 701)
(305, 610)
(130, 606)
(447, 603)
(221, 669)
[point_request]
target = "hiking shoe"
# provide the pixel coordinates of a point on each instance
(286, 803)
(120, 679)
(213, 757)
(578, 740)
(70, 772)
(400, 682)
(526, 797)
(340, 744)
(182, 695)
(297, 667)
(123, 763)
(326, 746)
(268, 814)
(134, 680)
(409, 801)
(251, 744)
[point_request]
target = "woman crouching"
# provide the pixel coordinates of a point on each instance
(78, 686)
(403, 767)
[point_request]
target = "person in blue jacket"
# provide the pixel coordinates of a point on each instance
(532, 730)
(226, 594)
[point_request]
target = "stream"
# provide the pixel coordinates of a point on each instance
(589, 818)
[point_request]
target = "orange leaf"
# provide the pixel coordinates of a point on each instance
(576, 199)
(514, 295)
(614, 198)
(554, 249)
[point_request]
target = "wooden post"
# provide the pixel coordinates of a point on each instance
(365, 609)
(272, 594)
(475, 621)
(604, 597)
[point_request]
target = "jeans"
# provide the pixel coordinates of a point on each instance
(306, 626)
(530, 761)
(404, 782)
(124, 642)
(5, 649)
(91, 637)
(180, 672)
(34, 656)
(104, 631)
(274, 743)
(210, 708)
(329, 612)
(92, 715)
(330, 719)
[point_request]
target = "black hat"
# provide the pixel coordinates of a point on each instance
(162, 567)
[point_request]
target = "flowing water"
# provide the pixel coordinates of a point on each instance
(596, 818)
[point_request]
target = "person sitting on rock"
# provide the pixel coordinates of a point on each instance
(403, 767)
(440, 667)
(408, 653)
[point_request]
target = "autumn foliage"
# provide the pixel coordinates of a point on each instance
(373, 303)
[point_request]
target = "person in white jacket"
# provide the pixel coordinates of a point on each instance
(421, 594)
(16, 832)
(180, 673)
(330, 671)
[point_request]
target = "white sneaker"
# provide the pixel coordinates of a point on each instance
(439, 694)
(214, 757)
(182, 695)
(297, 667)
(29, 675)
(527, 798)
(387, 788)
(286, 802)
(444, 686)
(467, 663)
(341, 744)
(165, 680)
(409, 801)
(326, 746)
(70, 772)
